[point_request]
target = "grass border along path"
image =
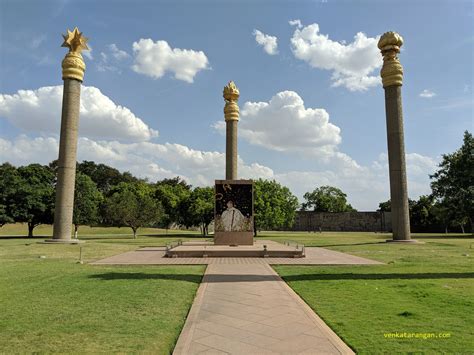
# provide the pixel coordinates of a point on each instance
(50, 303)
(421, 301)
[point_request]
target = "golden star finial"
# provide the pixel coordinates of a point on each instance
(75, 41)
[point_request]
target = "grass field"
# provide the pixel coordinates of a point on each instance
(425, 289)
(51, 303)
(54, 304)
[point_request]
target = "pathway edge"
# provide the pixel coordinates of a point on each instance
(332, 336)
(186, 335)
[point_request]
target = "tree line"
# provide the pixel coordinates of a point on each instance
(104, 196)
(451, 202)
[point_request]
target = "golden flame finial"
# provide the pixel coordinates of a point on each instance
(231, 92)
(392, 71)
(73, 64)
(231, 95)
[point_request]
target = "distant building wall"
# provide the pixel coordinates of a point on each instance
(343, 221)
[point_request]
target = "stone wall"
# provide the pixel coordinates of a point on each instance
(343, 221)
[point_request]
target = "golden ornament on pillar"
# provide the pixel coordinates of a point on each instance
(73, 64)
(392, 71)
(231, 96)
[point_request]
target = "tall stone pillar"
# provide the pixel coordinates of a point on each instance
(73, 73)
(392, 78)
(231, 113)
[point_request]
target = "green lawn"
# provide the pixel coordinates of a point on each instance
(425, 288)
(50, 303)
(54, 304)
(85, 232)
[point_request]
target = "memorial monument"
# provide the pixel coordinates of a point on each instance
(233, 211)
(73, 68)
(392, 79)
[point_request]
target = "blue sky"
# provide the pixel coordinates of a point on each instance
(344, 146)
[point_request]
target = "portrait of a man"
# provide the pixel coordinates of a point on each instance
(232, 219)
(234, 208)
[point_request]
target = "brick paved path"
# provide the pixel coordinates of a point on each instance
(249, 309)
(243, 307)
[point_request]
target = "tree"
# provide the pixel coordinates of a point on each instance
(33, 201)
(385, 206)
(4, 217)
(442, 214)
(453, 183)
(172, 193)
(9, 182)
(104, 176)
(421, 211)
(132, 205)
(87, 199)
(199, 208)
(274, 207)
(326, 199)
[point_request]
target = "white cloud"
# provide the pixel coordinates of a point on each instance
(282, 124)
(427, 94)
(417, 164)
(296, 23)
(40, 111)
(285, 124)
(351, 64)
(112, 59)
(24, 150)
(103, 65)
(37, 40)
(269, 43)
(418, 168)
(365, 186)
(88, 54)
(116, 52)
(154, 59)
(144, 159)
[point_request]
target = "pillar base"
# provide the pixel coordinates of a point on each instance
(62, 241)
(412, 241)
(233, 238)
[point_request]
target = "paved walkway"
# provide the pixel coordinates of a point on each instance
(249, 309)
(243, 307)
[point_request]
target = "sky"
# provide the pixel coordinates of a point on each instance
(311, 99)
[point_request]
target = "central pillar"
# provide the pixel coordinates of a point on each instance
(231, 113)
(73, 73)
(392, 79)
(233, 208)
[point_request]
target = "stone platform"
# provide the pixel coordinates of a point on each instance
(260, 249)
(156, 256)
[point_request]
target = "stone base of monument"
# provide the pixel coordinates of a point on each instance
(412, 241)
(260, 249)
(62, 241)
(233, 238)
